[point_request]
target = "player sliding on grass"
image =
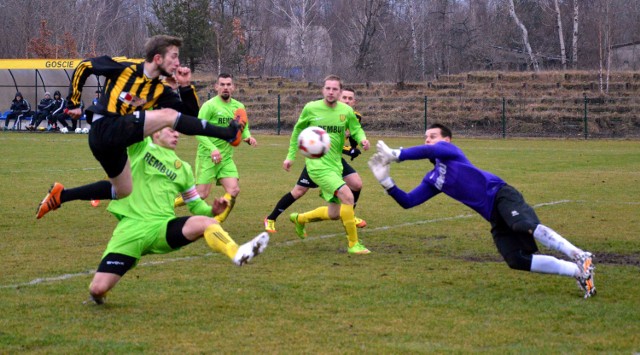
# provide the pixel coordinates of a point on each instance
(334, 117)
(304, 183)
(136, 102)
(147, 221)
(514, 224)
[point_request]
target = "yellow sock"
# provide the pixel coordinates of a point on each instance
(319, 214)
(178, 202)
(223, 216)
(348, 221)
(220, 241)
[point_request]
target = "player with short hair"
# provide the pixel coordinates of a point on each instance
(214, 158)
(514, 224)
(304, 183)
(147, 223)
(335, 118)
(135, 103)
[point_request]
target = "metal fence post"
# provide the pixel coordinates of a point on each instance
(504, 118)
(425, 113)
(586, 127)
(278, 125)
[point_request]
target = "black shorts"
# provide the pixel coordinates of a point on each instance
(305, 181)
(110, 136)
(510, 208)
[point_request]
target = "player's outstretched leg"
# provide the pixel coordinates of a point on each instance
(251, 249)
(51, 201)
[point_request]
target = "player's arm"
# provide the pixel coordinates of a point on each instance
(357, 133)
(196, 205)
(301, 124)
(421, 193)
(105, 66)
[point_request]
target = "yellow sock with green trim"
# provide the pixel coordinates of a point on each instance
(348, 221)
(319, 214)
(223, 216)
(178, 202)
(220, 241)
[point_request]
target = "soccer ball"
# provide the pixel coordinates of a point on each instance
(64, 130)
(78, 130)
(314, 142)
(85, 130)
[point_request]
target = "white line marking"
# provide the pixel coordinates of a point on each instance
(287, 243)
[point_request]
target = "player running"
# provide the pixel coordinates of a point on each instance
(304, 183)
(136, 102)
(514, 224)
(334, 117)
(147, 221)
(214, 160)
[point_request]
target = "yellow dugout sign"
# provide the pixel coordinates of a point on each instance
(39, 63)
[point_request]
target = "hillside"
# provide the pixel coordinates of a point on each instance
(542, 104)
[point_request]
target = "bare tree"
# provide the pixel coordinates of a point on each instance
(525, 35)
(301, 15)
(574, 42)
(563, 53)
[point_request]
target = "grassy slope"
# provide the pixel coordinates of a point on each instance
(433, 284)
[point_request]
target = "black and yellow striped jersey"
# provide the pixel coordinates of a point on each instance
(127, 89)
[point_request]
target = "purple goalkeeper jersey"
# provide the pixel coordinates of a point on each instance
(454, 175)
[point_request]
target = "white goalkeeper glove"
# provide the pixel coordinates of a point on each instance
(380, 169)
(389, 155)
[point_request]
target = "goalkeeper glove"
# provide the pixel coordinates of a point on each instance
(388, 155)
(380, 169)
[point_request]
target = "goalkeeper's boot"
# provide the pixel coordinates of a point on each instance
(251, 249)
(358, 249)
(360, 223)
(51, 201)
(269, 225)
(585, 281)
(300, 230)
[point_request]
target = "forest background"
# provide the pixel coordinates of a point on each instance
(361, 40)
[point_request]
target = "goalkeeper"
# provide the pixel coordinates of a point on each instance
(147, 221)
(514, 224)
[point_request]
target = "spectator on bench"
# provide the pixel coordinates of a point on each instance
(58, 114)
(19, 107)
(45, 108)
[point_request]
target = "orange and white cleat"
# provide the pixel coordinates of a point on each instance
(51, 201)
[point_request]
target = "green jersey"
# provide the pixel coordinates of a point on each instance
(158, 175)
(219, 113)
(335, 120)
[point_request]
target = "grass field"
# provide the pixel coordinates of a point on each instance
(434, 282)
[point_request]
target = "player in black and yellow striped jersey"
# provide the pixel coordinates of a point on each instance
(136, 102)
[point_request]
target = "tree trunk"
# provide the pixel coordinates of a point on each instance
(563, 53)
(574, 44)
(525, 36)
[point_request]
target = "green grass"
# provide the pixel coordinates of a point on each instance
(434, 282)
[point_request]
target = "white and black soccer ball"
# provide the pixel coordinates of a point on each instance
(314, 142)
(78, 130)
(64, 130)
(85, 130)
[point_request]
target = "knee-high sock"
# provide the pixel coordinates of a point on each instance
(549, 238)
(285, 202)
(99, 190)
(319, 214)
(193, 126)
(220, 241)
(547, 264)
(348, 221)
(232, 202)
